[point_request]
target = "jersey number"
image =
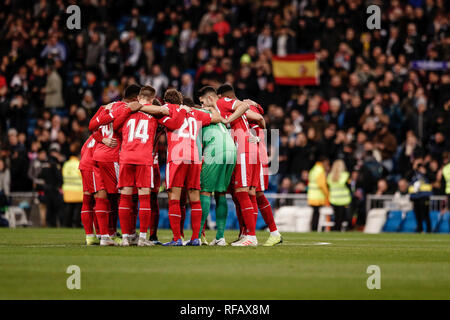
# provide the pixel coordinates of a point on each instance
(191, 125)
(139, 132)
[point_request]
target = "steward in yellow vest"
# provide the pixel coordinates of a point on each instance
(339, 192)
(72, 184)
(317, 186)
(446, 174)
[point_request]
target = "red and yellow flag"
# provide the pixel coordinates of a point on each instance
(296, 69)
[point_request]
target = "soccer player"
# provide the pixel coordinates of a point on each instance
(86, 168)
(154, 219)
(244, 178)
(262, 166)
(136, 165)
(219, 160)
(106, 169)
(184, 162)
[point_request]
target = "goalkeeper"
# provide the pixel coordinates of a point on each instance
(219, 160)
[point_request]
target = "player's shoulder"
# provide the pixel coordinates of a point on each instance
(226, 100)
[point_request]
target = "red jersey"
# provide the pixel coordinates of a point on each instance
(262, 149)
(138, 135)
(240, 128)
(105, 120)
(87, 162)
(183, 133)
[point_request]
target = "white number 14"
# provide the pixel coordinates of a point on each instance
(139, 132)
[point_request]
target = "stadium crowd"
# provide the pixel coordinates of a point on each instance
(384, 118)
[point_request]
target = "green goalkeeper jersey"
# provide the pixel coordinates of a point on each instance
(217, 143)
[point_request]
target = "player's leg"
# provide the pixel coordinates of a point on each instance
(221, 218)
(87, 208)
(154, 219)
(126, 184)
(102, 206)
(113, 216)
(266, 211)
(109, 172)
(242, 227)
(174, 215)
(183, 201)
(252, 196)
(205, 201)
(193, 186)
(144, 182)
(241, 176)
(134, 214)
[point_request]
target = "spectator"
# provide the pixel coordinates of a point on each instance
(53, 89)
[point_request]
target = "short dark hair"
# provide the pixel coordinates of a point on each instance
(206, 90)
(173, 96)
(132, 91)
(156, 102)
(147, 92)
(188, 102)
(225, 88)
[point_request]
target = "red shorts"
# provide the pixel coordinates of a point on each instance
(135, 175)
(108, 174)
(156, 178)
(90, 184)
(263, 175)
(245, 174)
(183, 175)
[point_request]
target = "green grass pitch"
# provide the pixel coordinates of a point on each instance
(33, 265)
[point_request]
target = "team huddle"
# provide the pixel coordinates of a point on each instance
(212, 149)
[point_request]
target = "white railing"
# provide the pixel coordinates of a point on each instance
(437, 203)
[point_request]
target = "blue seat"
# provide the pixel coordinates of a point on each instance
(442, 225)
(393, 221)
(410, 223)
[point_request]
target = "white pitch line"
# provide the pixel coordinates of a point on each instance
(306, 244)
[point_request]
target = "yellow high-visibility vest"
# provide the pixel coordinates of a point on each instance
(314, 191)
(446, 174)
(339, 192)
(72, 184)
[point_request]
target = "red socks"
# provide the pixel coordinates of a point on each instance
(125, 209)
(114, 202)
(174, 218)
(134, 213)
(183, 217)
(102, 209)
(196, 218)
(87, 213)
(242, 228)
(248, 212)
(144, 212)
(266, 211)
(154, 220)
(255, 207)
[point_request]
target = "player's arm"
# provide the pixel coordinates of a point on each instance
(94, 124)
(253, 116)
(215, 116)
(156, 111)
(109, 142)
(173, 123)
(239, 109)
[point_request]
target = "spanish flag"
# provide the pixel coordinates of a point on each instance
(296, 69)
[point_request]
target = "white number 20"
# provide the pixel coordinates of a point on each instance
(191, 125)
(139, 132)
